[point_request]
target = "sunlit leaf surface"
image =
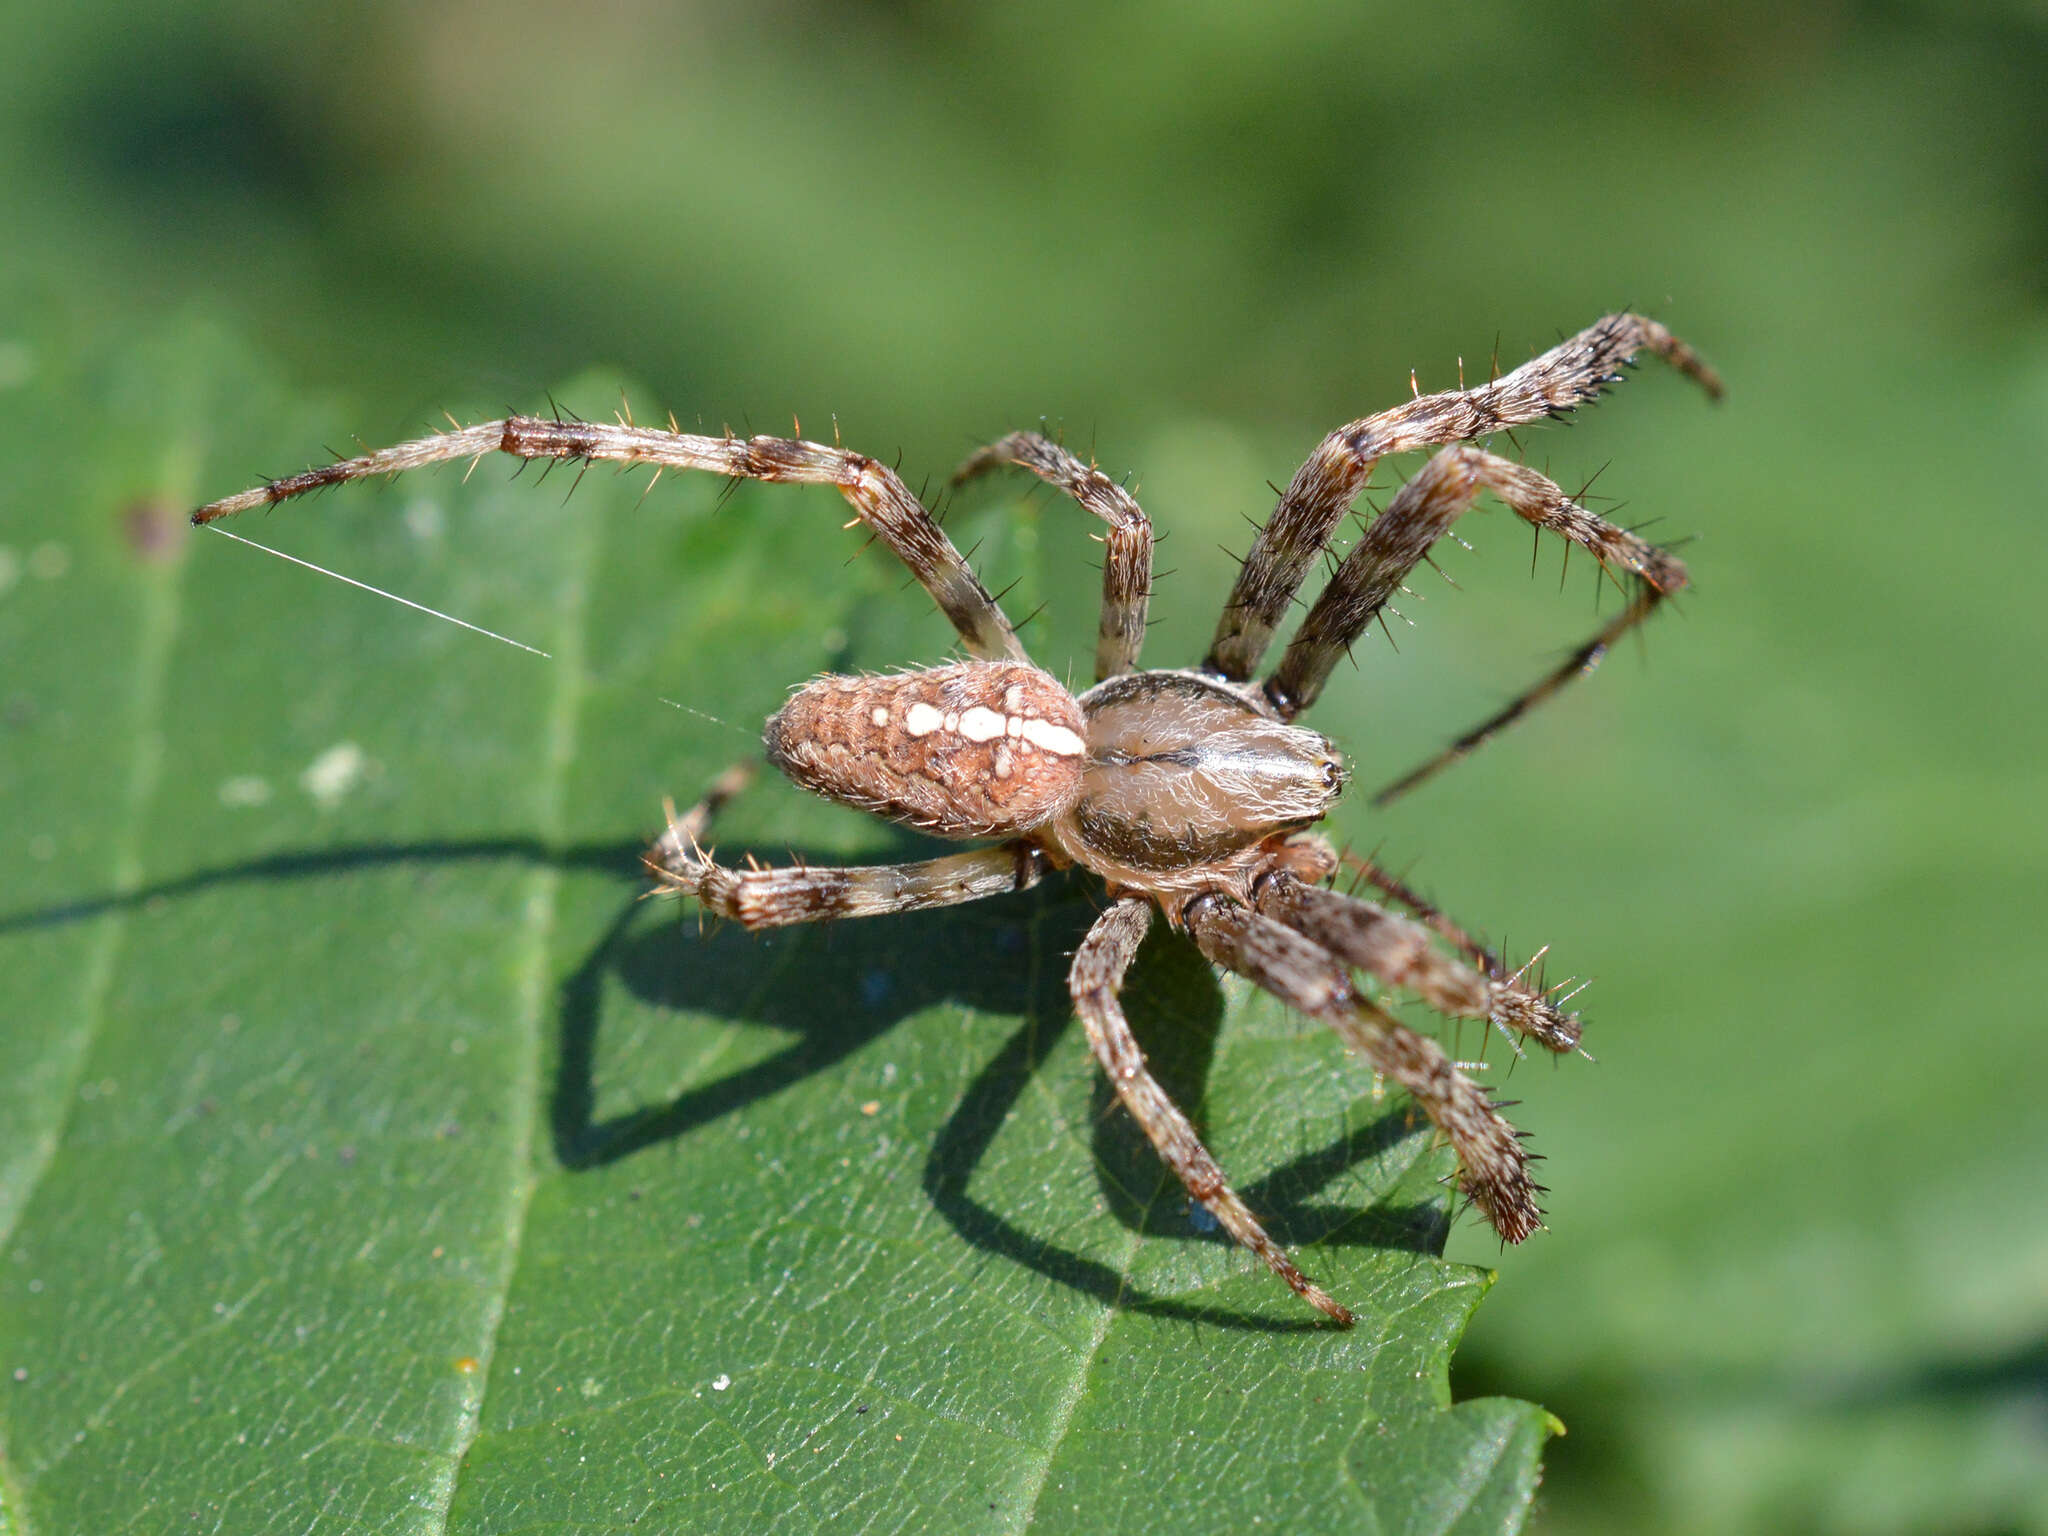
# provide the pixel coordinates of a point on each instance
(379, 1158)
(1793, 1278)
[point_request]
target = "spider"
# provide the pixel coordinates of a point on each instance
(1188, 790)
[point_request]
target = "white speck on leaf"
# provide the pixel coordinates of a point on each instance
(423, 518)
(331, 775)
(17, 364)
(244, 791)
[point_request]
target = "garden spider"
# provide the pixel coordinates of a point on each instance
(1191, 790)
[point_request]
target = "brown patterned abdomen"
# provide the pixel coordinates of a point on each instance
(976, 749)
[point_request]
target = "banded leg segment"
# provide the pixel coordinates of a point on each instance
(1426, 912)
(1127, 560)
(1095, 980)
(1565, 377)
(1399, 952)
(780, 897)
(883, 502)
(1578, 664)
(1400, 538)
(1493, 1168)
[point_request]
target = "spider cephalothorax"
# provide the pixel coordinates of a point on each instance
(1192, 791)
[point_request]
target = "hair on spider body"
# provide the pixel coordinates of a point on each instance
(976, 749)
(1190, 792)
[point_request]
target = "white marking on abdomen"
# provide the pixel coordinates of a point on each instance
(1056, 739)
(982, 724)
(921, 719)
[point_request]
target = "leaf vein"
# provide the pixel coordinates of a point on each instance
(161, 612)
(160, 620)
(542, 910)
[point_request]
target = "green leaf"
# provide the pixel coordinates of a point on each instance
(374, 1157)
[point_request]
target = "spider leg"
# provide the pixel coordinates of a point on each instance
(1398, 951)
(1578, 664)
(780, 897)
(882, 501)
(1095, 980)
(1427, 912)
(1493, 1168)
(1565, 377)
(694, 825)
(1127, 565)
(1401, 536)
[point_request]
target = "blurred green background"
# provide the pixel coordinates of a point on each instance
(1798, 1272)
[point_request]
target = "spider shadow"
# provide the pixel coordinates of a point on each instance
(837, 987)
(1005, 956)
(1175, 1007)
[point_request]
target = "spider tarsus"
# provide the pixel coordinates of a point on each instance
(1326, 1304)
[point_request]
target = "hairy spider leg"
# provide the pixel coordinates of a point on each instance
(1095, 980)
(1493, 1170)
(1482, 958)
(1399, 951)
(1127, 560)
(1578, 664)
(1426, 912)
(1323, 489)
(882, 500)
(1400, 538)
(777, 897)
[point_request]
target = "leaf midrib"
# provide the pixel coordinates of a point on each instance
(541, 909)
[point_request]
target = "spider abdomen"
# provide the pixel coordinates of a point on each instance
(975, 749)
